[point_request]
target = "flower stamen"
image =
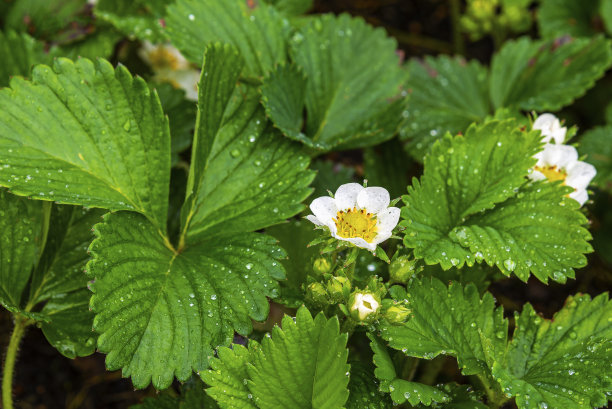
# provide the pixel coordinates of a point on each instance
(354, 223)
(552, 173)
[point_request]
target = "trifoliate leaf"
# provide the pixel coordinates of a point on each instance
(136, 19)
(573, 17)
(540, 230)
(21, 239)
(597, 145)
(445, 95)
(363, 387)
(294, 237)
(244, 176)
(400, 389)
(228, 378)
(546, 75)
(292, 8)
(565, 362)
(340, 57)
(473, 203)
(256, 29)
(18, 53)
(85, 133)
(160, 313)
(453, 321)
(301, 366)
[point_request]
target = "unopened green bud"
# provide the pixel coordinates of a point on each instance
(339, 288)
(322, 265)
(364, 306)
(317, 294)
(401, 269)
(397, 314)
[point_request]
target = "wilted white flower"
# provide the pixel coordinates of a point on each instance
(551, 129)
(357, 214)
(560, 162)
(169, 65)
(363, 305)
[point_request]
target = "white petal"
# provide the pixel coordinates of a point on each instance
(359, 242)
(558, 155)
(551, 128)
(381, 236)
(580, 195)
(580, 174)
(314, 220)
(387, 219)
(324, 209)
(373, 199)
(346, 195)
(545, 121)
(188, 80)
(536, 175)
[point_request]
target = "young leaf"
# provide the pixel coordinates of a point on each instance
(254, 28)
(228, 378)
(546, 75)
(335, 55)
(160, 313)
(466, 207)
(597, 145)
(445, 95)
(85, 133)
(302, 366)
(244, 176)
(18, 53)
(21, 232)
(453, 321)
(565, 362)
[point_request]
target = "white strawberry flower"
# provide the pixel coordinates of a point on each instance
(357, 214)
(560, 162)
(364, 305)
(550, 127)
(169, 65)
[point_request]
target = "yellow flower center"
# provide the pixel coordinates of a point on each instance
(161, 58)
(552, 173)
(356, 223)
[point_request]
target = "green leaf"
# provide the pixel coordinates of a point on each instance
(244, 176)
(69, 325)
(85, 133)
(473, 204)
(452, 321)
(294, 238)
(461, 397)
(192, 396)
(340, 57)
(43, 18)
(100, 44)
(445, 95)
(573, 17)
(159, 313)
(21, 232)
(254, 28)
(136, 19)
(363, 387)
(387, 165)
(18, 53)
(330, 175)
(400, 389)
(228, 378)
(560, 363)
(292, 8)
(301, 366)
(596, 144)
(546, 75)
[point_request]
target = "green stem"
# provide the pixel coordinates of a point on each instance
(9, 363)
(458, 43)
(495, 397)
(350, 269)
(431, 370)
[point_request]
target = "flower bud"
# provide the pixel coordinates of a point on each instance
(322, 266)
(401, 269)
(397, 314)
(339, 288)
(364, 306)
(317, 294)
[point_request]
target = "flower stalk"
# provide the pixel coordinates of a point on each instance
(9, 364)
